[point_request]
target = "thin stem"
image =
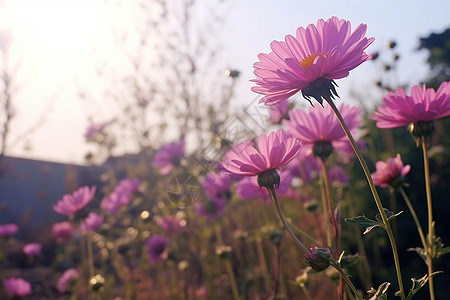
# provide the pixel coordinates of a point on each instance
(90, 255)
(337, 266)
(414, 215)
(273, 195)
(325, 212)
(430, 217)
(326, 181)
(304, 234)
(376, 197)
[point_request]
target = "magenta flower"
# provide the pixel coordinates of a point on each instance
(91, 223)
(71, 203)
(67, 278)
(320, 126)
(391, 172)
(423, 105)
(169, 156)
(95, 131)
(17, 287)
(336, 174)
(170, 224)
(217, 185)
(274, 151)
(310, 61)
(278, 111)
(157, 247)
(121, 195)
(62, 231)
(8, 229)
(210, 207)
(32, 249)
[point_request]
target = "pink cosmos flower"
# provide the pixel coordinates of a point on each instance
(17, 287)
(121, 195)
(62, 231)
(66, 279)
(217, 185)
(156, 247)
(168, 156)
(8, 229)
(91, 223)
(310, 61)
(320, 125)
(424, 104)
(32, 249)
(390, 172)
(274, 151)
(71, 203)
(278, 111)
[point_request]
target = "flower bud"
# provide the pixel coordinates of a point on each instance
(421, 129)
(318, 258)
(323, 149)
(269, 179)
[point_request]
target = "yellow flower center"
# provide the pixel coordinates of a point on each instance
(309, 60)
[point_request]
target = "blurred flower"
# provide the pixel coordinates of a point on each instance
(157, 246)
(319, 127)
(336, 174)
(274, 151)
(278, 111)
(169, 156)
(121, 195)
(62, 231)
(17, 287)
(8, 229)
(170, 224)
(217, 185)
(310, 61)
(424, 105)
(305, 167)
(391, 172)
(66, 279)
(318, 258)
(95, 131)
(71, 203)
(210, 208)
(91, 223)
(32, 249)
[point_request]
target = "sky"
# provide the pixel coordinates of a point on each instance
(57, 46)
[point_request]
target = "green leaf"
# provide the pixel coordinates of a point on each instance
(389, 214)
(380, 293)
(419, 283)
(364, 222)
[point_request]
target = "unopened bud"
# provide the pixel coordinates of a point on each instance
(318, 258)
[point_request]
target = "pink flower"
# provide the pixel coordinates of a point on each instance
(320, 125)
(62, 231)
(17, 287)
(390, 172)
(157, 247)
(310, 61)
(66, 279)
(210, 207)
(274, 151)
(32, 249)
(121, 195)
(423, 105)
(95, 131)
(217, 185)
(70, 204)
(278, 111)
(8, 229)
(168, 156)
(91, 223)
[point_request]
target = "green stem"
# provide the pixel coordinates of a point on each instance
(304, 234)
(283, 219)
(414, 215)
(325, 212)
(337, 266)
(326, 181)
(430, 217)
(376, 197)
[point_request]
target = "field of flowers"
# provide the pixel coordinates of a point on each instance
(333, 202)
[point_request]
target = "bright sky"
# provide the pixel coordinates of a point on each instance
(57, 46)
